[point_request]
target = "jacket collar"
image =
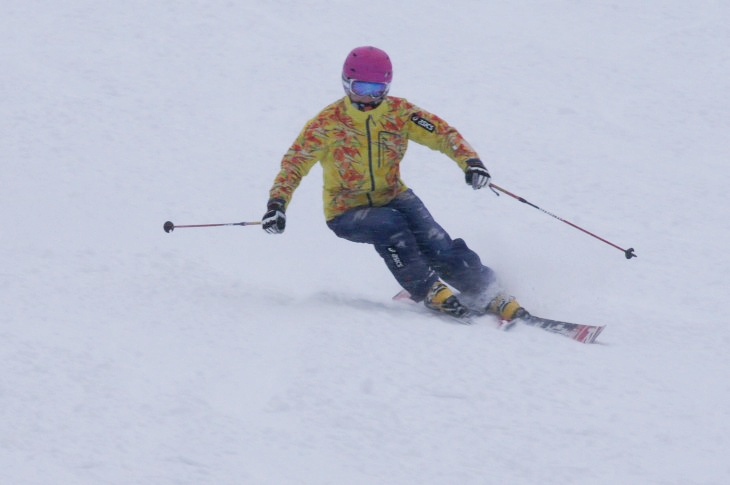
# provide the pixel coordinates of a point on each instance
(361, 116)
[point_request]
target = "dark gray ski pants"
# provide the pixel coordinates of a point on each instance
(416, 249)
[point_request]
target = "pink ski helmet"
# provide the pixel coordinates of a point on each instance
(369, 64)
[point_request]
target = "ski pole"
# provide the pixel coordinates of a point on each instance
(169, 226)
(629, 253)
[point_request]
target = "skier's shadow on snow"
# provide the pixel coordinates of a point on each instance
(360, 303)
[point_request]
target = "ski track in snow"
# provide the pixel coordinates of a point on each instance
(229, 356)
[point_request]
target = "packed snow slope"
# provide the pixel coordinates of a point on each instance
(229, 356)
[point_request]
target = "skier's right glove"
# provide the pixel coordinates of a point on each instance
(274, 221)
(477, 174)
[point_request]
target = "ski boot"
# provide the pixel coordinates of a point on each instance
(441, 299)
(507, 308)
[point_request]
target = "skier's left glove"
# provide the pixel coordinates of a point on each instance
(274, 221)
(477, 174)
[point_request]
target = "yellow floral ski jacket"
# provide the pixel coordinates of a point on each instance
(361, 151)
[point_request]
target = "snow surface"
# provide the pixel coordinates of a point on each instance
(229, 356)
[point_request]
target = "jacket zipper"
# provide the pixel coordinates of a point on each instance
(370, 157)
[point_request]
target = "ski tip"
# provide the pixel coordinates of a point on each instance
(403, 295)
(589, 335)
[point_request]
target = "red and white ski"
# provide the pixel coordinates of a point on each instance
(586, 334)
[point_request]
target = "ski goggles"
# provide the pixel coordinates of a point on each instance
(365, 88)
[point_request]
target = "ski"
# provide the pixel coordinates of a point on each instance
(586, 334)
(583, 333)
(504, 325)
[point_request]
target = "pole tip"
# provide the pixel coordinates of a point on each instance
(169, 227)
(629, 253)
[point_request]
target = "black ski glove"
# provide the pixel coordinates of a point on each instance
(477, 174)
(274, 221)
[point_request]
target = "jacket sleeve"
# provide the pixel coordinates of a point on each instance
(306, 150)
(430, 130)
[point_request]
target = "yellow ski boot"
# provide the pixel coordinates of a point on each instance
(441, 299)
(506, 307)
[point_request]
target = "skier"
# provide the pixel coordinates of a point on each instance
(360, 141)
